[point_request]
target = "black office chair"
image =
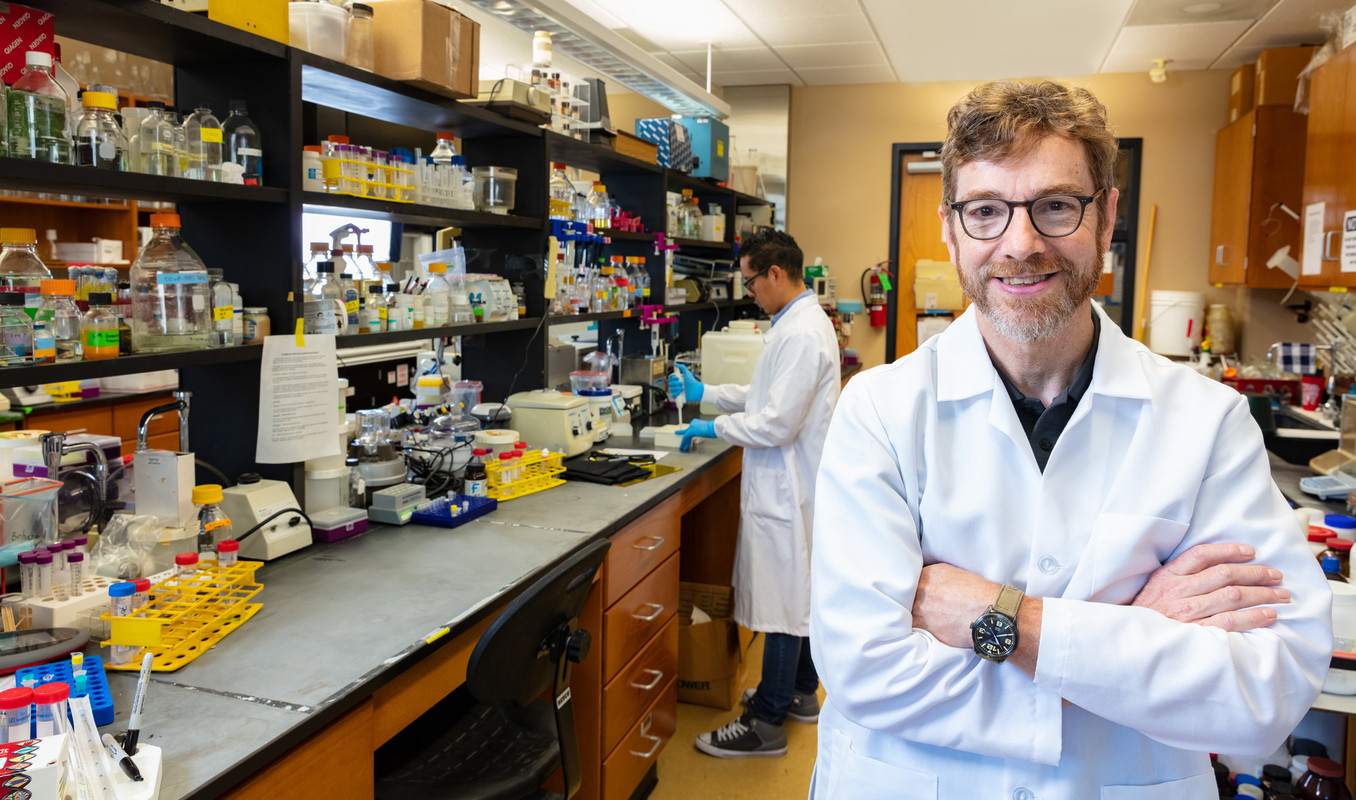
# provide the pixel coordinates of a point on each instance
(511, 741)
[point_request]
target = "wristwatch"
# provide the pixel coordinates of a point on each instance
(995, 632)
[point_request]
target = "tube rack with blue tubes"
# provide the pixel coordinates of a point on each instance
(95, 683)
(439, 513)
(566, 231)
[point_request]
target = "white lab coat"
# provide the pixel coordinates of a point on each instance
(927, 462)
(783, 416)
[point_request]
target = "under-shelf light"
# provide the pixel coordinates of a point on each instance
(584, 39)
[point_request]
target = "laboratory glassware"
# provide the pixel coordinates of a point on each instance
(171, 299)
(202, 142)
(20, 268)
(16, 331)
(99, 140)
(99, 329)
(37, 108)
(56, 325)
(244, 145)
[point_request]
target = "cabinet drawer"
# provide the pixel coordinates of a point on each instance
(636, 618)
(624, 768)
(83, 420)
(640, 548)
(638, 683)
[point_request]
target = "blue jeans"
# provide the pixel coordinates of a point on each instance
(787, 668)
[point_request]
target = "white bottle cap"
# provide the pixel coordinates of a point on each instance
(37, 58)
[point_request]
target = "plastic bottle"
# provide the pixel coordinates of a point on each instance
(444, 150)
(38, 125)
(312, 169)
(20, 268)
(99, 328)
(16, 331)
(99, 140)
(176, 122)
(244, 145)
(689, 217)
(438, 297)
(171, 301)
(202, 141)
(155, 140)
(213, 524)
(56, 325)
(562, 194)
(474, 481)
(323, 301)
(394, 306)
(599, 210)
(331, 162)
(319, 252)
(223, 310)
(366, 265)
(374, 310)
(352, 305)
(120, 605)
(541, 48)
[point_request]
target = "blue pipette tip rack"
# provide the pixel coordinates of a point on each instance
(96, 683)
(438, 513)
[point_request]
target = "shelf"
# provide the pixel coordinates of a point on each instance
(126, 365)
(35, 201)
(749, 200)
(595, 157)
(411, 213)
(567, 319)
(702, 244)
(158, 32)
(677, 181)
(628, 236)
(333, 84)
(740, 303)
(473, 329)
(22, 173)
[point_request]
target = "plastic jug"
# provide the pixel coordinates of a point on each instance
(730, 355)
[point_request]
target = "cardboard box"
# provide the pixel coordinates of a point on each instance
(267, 18)
(636, 147)
(936, 285)
(711, 663)
(1242, 91)
(1277, 74)
(37, 768)
(23, 29)
(710, 147)
(427, 45)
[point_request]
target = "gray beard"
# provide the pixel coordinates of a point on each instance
(1035, 320)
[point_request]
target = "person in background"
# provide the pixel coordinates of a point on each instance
(1048, 563)
(780, 420)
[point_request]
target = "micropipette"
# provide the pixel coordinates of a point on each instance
(678, 401)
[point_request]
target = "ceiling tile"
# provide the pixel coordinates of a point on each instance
(675, 26)
(1290, 22)
(944, 41)
(754, 11)
(857, 54)
(780, 31)
(727, 60)
(756, 77)
(1187, 46)
(1174, 12)
(824, 76)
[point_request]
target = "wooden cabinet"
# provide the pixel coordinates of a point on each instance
(1328, 177)
(1259, 163)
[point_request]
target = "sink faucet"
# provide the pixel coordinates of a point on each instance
(54, 447)
(181, 405)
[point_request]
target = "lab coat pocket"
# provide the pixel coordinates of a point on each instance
(1123, 551)
(1197, 787)
(769, 500)
(859, 777)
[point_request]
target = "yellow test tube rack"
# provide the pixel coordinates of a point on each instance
(539, 473)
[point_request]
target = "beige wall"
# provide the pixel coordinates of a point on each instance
(627, 107)
(838, 204)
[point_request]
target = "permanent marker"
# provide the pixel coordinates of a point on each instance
(129, 742)
(119, 755)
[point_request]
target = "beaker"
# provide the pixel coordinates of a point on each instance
(589, 381)
(465, 395)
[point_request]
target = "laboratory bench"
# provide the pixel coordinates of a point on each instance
(357, 638)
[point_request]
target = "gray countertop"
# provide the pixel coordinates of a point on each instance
(340, 620)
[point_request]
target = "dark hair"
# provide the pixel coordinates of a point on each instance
(770, 247)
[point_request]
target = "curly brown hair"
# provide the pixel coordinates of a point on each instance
(1004, 119)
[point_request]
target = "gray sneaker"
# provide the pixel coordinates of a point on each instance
(744, 737)
(804, 705)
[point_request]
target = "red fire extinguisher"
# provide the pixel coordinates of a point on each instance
(877, 287)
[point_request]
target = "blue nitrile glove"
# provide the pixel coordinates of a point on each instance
(697, 429)
(688, 385)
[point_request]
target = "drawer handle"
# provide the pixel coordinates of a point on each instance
(658, 609)
(658, 676)
(1327, 246)
(658, 543)
(1219, 255)
(658, 743)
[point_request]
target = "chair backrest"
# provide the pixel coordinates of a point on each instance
(511, 660)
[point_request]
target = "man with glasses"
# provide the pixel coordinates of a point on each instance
(780, 420)
(1048, 563)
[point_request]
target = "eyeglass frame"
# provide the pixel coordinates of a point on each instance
(1083, 199)
(748, 282)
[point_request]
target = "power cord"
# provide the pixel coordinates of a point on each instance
(274, 516)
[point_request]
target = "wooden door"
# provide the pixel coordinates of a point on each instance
(920, 236)
(1277, 177)
(1324, 158)
(1232, 198)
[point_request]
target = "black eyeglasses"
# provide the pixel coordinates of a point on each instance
(748, 282)
(1053, 215)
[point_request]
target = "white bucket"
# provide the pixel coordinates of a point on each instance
(1175, 322)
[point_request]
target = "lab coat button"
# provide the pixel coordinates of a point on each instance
(1022, 793)
(1045, 444)
(1048, 565)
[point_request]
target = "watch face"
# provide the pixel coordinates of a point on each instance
(994, 635)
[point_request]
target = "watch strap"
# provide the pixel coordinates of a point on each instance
(1009, 600)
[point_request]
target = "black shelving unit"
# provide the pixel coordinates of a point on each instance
(411, 213)
(472, 329)
(127, 365)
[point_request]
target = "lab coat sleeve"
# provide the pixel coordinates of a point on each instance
(726, 397)
(878, 670)
(798, 373)
(1197, 687)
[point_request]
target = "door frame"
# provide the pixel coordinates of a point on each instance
(897, 153)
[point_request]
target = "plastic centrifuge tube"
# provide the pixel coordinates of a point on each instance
(58, 551)
(78, 672)
(75, 565)
(505, 469)
(120, 605)
(16, 720)
(49, 701)
(28, 574)
(44, 561)
(186, 564)
(142, 594)
(227, 551)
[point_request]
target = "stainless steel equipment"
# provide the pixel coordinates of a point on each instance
(181, 404)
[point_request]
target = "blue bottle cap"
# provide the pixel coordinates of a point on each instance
(1330, 564)
(1245, 779)
(1339, 521)
(124, 589)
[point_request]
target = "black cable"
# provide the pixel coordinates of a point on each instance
(526, 355)
(225, 481)
(274, 516)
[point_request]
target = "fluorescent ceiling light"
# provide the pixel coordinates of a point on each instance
(576, 34)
